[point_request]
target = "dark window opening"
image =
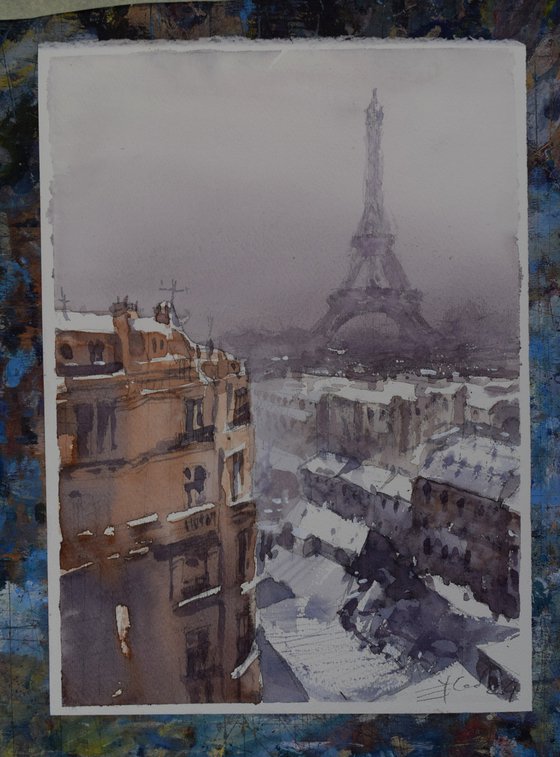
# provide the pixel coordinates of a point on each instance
(427, 546)
(195, 483)
(84, 426)
(237, 474)
(66, 351)
(427, 489)
(195, 430)
(241, 411)
(96, 351)
(242, 552)
(244, 636)
(106, 420)
(198, 653)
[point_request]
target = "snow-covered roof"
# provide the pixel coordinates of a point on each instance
(326, 464)
(331, 528)
(487, 396)
(92, 323)
(517, 501)
(150, 325)
(449, 388)
(314, 576)
(390, 389)
(477, 464)
(371, 478)
(284, 461)
(331, 664)
(398, 486)
(505, 653)
(374, 479)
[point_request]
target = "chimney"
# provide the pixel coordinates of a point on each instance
(162, 313)
(120, 312)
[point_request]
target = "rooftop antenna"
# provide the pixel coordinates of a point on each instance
(210, 341)
(172, 289)
(64, 301)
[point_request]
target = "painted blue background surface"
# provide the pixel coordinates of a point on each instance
(25, 725)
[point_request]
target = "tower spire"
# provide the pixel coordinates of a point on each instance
(373, 220)
(376, 282)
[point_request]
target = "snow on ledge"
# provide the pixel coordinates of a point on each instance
(142, 521)
(246, 664)
(202, 595)
(182, 514)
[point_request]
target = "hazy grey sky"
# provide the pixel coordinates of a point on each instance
(240, 174)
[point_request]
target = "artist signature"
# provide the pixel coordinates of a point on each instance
(448, 686)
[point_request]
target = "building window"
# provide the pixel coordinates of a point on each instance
(244, 636)
(96, 351)
(427, 489)
(161, 344)
(154, 344)
(198, 653)
(427, 546)
(237, 474)
(194, 573)
(195, 430)
(195, 482)
(106, 421)
(241, 412)
(461, 503)
(66, 351)
(84, 426)
(242, 553)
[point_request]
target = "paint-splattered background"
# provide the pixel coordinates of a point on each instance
(25, 725)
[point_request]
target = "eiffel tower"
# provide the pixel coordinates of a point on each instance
(376, 282)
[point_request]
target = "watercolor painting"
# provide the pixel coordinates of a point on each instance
(26, 726)
(324, 504)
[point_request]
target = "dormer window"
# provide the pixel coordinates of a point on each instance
(66, 351)
(96, 351)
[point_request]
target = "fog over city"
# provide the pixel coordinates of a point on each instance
(244, 180)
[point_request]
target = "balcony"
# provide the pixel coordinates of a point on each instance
(241, 416)
(201, 435)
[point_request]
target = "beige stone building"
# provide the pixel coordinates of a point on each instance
(156, 513)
